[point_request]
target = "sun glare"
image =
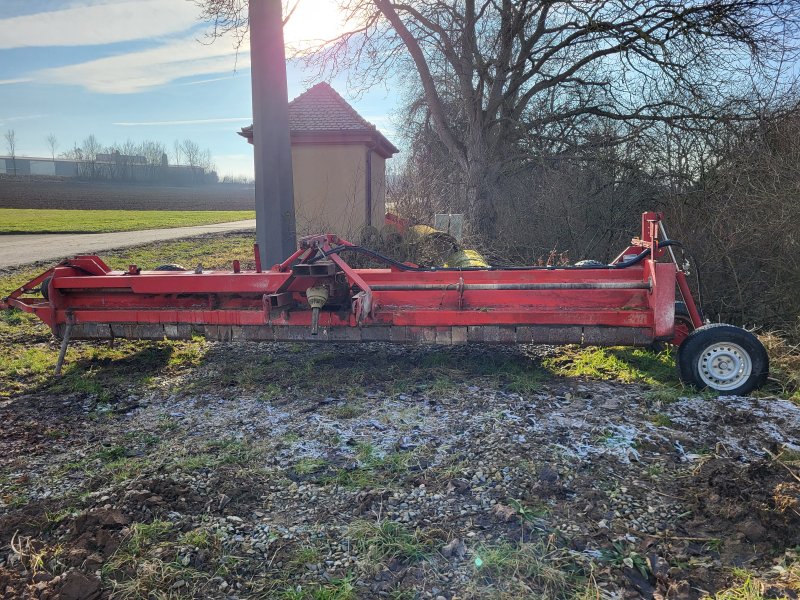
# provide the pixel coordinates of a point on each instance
(312, 22)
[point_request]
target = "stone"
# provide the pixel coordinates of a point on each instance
(79, 586)
(454, 549)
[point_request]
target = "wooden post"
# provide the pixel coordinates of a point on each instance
(275, 217)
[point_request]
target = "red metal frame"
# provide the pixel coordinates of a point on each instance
(633, 305)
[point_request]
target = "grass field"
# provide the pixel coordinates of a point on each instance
(24, 220)
(302, 472)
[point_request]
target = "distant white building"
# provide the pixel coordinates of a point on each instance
(106, 167)
(25, 165)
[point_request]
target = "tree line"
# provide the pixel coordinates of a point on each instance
(147, 161)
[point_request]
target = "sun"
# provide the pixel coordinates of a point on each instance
(312, 22)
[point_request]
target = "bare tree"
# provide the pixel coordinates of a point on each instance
(52, 143)
(11, 145)
(88, 152)
(230, 17)
(191, 153)
(177, 152)
(502, 80)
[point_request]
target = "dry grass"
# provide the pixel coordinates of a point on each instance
(784, 364)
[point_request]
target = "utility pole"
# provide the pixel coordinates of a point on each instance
(275, 218)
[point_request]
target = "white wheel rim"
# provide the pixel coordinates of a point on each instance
(724, 366)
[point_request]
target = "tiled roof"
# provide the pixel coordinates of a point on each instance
(321, 110)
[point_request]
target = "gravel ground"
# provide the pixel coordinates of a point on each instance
(454, 485)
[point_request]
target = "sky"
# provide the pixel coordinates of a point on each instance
(144, 70)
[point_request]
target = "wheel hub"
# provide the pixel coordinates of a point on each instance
(724, 366)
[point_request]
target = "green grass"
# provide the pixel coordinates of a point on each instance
(531, 570)
(30, 220)
(629, 365)
(381, 541)
(29, 351)
(218, 453)
(146, 564)
(336, 589)
(373, 469)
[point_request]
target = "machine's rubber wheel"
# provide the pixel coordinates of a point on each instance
(590, 263)
(723, 358)
(683, 321)
(45, 288)
(172, 267)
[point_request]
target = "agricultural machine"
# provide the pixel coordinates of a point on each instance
(315, 295)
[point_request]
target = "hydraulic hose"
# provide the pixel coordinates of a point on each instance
(404, 267)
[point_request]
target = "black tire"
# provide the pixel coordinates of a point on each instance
(729, 343)
(172, 267)
(683, 317)
(45, 288)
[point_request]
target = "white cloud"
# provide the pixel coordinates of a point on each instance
(23, 118)
(95, 24)
(191, 122)
(203, 81)
(12, 81)
(139, 71)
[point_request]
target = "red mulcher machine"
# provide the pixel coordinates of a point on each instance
(315, 295)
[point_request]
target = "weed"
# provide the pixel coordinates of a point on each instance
(787, 455)
(141, 437)
(663, 395)
(33, 554)
(307, 466)
(167, 424)
(336, 589)
(443, 385)
(348, 410)
(270, 392)
(747, 587)
(14, 501)
(621, 554)
(305, 556)
(140, 538)
(714, 545)
(200, 538)
(384, 540)
(290, 437)
(110, 454)
(784, 366)
(661, 420)
(218, 453)
(452, 470)
(56, 434)
(529, 513)
(518, 567)
(373, 468)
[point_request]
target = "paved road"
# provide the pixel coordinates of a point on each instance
(23, 249)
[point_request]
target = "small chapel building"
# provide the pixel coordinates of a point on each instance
(339, 165)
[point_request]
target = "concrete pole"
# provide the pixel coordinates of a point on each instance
(275, 217)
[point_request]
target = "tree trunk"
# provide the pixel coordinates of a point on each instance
(483, 187)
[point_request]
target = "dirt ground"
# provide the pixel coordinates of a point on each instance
(374, 471)
(29, 192)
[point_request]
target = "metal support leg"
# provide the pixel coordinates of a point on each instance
(63, 352)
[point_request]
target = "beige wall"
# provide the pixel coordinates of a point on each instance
(378, 190)
(330, 188)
